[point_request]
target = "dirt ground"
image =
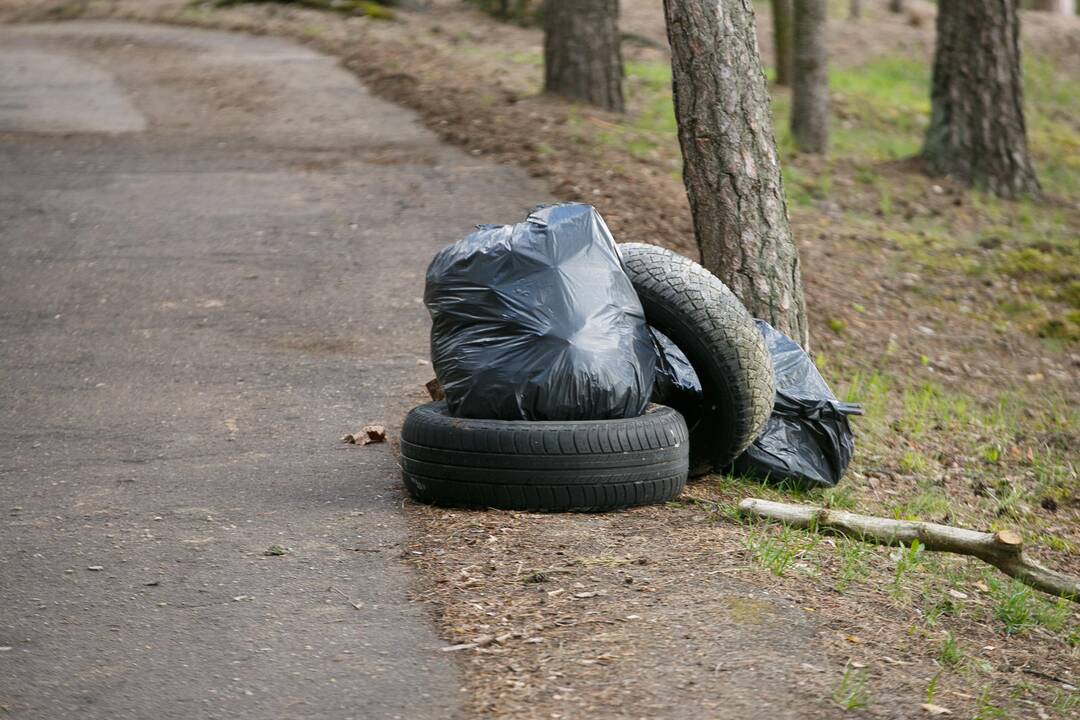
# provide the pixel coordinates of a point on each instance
(631, 614)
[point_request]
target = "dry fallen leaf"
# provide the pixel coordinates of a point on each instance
(935, 709)
(435, 389)
(367, 435)
(373, 434)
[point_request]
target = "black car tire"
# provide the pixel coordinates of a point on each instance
(707, 322)
(585, 465)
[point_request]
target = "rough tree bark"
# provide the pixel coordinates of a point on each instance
(783, 17)
(582, 55)
(977, 133)
(810, 91)
(730, 165)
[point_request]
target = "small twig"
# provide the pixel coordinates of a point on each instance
(355, 604)
(1044, 676)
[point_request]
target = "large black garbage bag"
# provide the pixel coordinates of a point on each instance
(538, 321)
(807, 440)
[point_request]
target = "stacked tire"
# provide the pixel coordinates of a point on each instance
(586, 465)
(597, 465)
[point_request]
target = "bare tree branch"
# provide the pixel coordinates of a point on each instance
(1004, 549)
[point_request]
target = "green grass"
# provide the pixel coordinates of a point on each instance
(931, 687)
(879, 110)
(928, 504)
(853, 555)
(907, 559)
(950, 653)
(985, 709)
(1019, 608)
(851, 692)
(992, 429)
(1052, 106)
(1065, 701)
(777, 551)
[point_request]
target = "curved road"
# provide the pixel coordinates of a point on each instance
(211, 260)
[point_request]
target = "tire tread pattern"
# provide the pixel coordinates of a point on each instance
(588, 465)
(743, 379)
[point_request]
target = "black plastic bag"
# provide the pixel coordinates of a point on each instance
(807, 440)
(676, 384)
(538, 321)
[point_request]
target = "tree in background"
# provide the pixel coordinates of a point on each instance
(810, 91)
(782, 40)
(977, 133)
(582, 56)
(896, 6)
(855, 10)
(730, 164)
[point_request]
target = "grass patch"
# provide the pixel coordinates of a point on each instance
(777, 551)
(853, 555)
(851, 692)
(950, 653)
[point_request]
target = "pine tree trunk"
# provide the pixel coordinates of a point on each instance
(782, 14)
(730, 164)
(977, 133)
(582, 56)
(810, 91)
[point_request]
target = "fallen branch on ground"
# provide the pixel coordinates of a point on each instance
(1003, 549)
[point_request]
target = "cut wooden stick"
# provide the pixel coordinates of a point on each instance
(1003, 549)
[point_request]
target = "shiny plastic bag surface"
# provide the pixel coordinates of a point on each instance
(538, 321)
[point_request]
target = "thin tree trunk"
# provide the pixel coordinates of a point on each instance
(810, 93)
(855, 10)
(730, 164)
(582, 55)
(977, 132)
(896, 6)
(783, 17)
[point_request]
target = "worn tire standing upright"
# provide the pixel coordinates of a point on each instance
(707, 322)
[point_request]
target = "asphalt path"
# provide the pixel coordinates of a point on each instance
(211, 260)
